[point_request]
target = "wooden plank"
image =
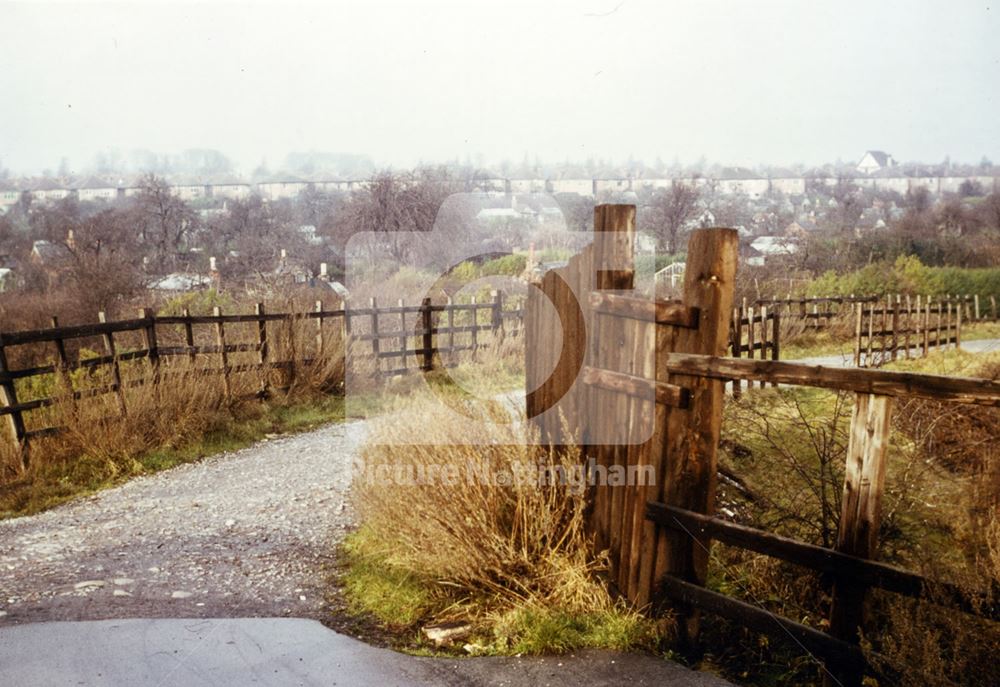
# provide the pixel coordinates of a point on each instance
(935, 387)
(661, 312)
(828, 561)
(639, 387)
(861, 513)
(99, 328)
(611, 343)
(834, 651)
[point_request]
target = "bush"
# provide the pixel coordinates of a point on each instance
(908, 275)
(509, 265)
(508, 555)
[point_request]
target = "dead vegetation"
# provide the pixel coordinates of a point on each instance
(940, 518)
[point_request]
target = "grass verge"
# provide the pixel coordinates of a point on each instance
(55, 482)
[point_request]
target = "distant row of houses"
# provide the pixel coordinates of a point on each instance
(753, 187)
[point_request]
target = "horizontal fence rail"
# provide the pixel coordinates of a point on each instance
(419, 335)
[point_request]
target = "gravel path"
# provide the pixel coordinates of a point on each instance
(248, 533)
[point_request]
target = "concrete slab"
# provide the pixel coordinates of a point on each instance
(285, 652)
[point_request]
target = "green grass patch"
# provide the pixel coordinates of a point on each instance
(401, 602)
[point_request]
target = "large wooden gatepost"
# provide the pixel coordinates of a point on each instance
(606, 386)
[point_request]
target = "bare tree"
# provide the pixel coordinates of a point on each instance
(670, 211)
(104, 260)
(165, 221)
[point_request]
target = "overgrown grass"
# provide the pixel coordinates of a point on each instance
(54, 482)
(940, 517)
(493, 546)
(148, 425)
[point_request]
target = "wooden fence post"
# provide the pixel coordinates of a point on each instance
(116, 373)
(475, 325)
(220, 340)
(765, 342)
(149, 341)
(857, 333)
(451, 326)
(958, 329)
(428, 338)
(319, 330)
(776, 341)
(15, 418)
(895, 330)
(258, 310)
(871, 333)
(737, 344)
(864, 480)
(690, 436)
(189, 336)
(376, 346)
(976, 303)
(497, 323)
(63, 370)
(402, 334)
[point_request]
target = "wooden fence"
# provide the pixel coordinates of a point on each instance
(907, 326)
(601, 385)
(402, 338)
(813, 313)
(822, 312)
(755, 332)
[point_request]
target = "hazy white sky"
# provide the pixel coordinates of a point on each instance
(739, 82)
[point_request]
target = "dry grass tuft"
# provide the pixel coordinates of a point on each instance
(488, 540)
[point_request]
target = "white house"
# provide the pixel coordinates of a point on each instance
(875, 161)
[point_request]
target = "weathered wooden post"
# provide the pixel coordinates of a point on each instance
(402, 333)
(262, 347)
(320, 347)
(15, 419)
(475, 325)
(859, 316)
(189, 336)
(149, 341)
(451, 326)
(220, 340)
(737, 344)
(958, 329)
(864, 480)
(776, 342)
(63, 367)
(428, 336)
(116, 374)
(373, 309)
(690, 436)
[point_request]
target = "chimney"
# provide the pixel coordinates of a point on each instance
(323, 274)
(213, 274)
(284, 257)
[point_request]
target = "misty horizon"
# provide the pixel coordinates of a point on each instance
(743, 84)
